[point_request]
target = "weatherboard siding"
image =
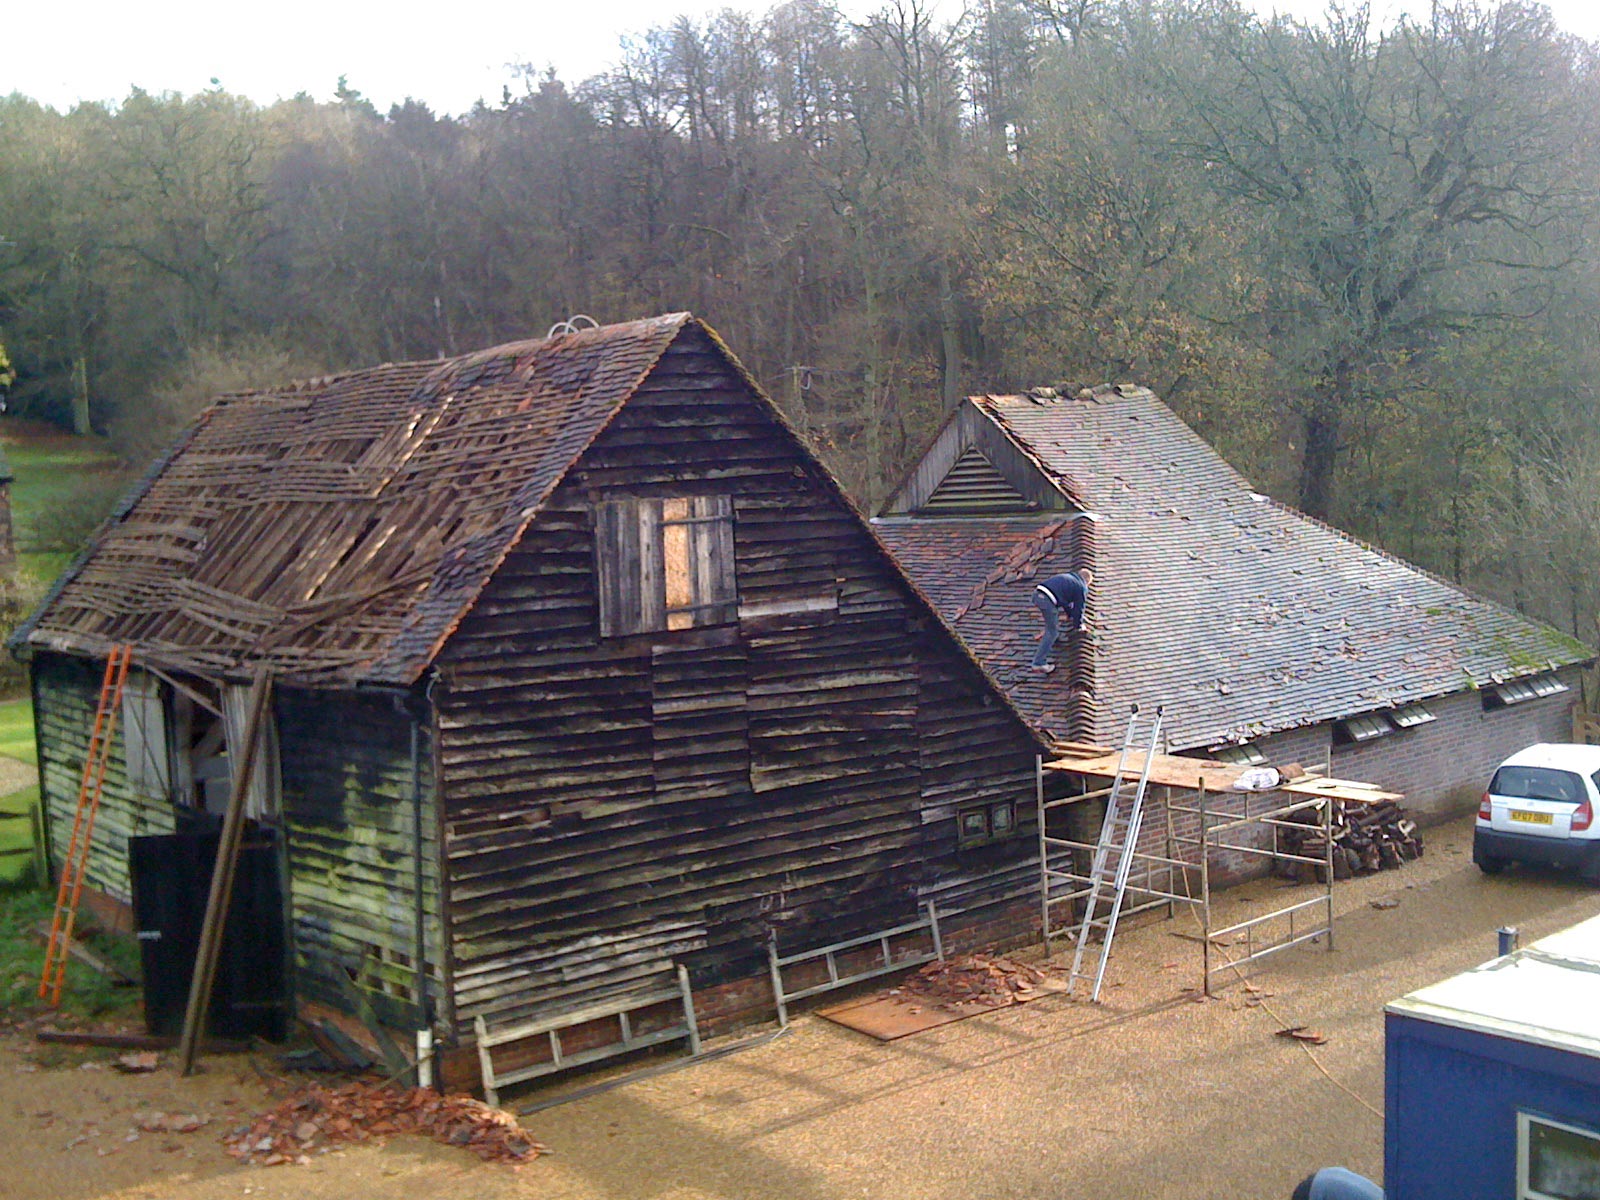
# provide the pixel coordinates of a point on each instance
(66, 696)
(615, 806)
(352, 849)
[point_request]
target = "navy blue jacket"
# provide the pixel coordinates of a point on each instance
(1069, 594)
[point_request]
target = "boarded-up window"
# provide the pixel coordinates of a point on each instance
(144, 736)
(261, 800)
(665, 564)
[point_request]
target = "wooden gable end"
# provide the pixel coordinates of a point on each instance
(973, 485)
(622, 797)
(972, 468)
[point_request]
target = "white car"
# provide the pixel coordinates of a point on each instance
(1540, 808)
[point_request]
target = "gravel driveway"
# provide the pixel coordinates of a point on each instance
(1147, 1096)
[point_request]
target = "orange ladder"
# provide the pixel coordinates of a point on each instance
(76, 863)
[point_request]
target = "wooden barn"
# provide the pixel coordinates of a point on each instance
(584, 671)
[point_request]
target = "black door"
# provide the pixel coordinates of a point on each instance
(171, 876)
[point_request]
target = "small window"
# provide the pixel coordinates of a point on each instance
(1556, 1161)
(989, 823)
(144, 736)
(1409, 716)
(974, 826)
(1246, 755)
(1518, 691)
(665, 564)
(1355, 730)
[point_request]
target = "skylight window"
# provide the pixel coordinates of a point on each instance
(1519, 691)
(1409, 716)
(1355, 730)
(1245, 755)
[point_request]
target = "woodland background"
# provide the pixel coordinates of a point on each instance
(1358, 257)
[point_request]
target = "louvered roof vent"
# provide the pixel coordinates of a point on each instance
(973, 485)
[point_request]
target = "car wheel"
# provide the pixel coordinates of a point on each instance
(1489, 864)
(1591, 871)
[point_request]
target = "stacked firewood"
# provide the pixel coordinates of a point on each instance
(1366, 838)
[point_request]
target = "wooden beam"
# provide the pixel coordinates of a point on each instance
(216, 918)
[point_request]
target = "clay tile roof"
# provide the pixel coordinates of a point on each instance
(340, 528)
(980, 574)
(1240, 615)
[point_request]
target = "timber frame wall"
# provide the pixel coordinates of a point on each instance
(613, 806)
(561, 816)
(351, 811)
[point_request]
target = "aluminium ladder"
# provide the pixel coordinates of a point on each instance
(1113, 858)
(75, 864)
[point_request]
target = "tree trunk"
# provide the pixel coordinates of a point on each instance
(1317, 463)
(80, 394)
(1323, 425)
(949, 338)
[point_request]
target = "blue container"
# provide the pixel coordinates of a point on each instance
(1492, 1078)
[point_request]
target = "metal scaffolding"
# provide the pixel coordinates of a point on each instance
(1206, 816)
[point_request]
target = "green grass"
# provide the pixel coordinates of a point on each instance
(61, 486)
(16, 731)
(16, 741)
(85, 992)
(44, 565)
(17, 834)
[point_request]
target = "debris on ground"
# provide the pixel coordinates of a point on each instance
(160, 1122)
(979, 979)
(137, 1063)
(1387, 902)
(1303, 1033)
(316, 1117)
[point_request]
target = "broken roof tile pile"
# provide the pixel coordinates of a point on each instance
(316, 1118)
(338, 529)
(1240, 615)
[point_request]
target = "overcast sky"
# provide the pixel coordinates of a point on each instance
(448, 54)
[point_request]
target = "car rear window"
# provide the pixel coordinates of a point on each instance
(1537, 783)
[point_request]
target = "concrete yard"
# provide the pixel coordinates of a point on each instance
(1148, 1095)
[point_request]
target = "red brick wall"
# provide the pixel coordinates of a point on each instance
(1443, 766)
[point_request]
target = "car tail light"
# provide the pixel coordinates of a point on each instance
(1485, 809)
(1582, 817)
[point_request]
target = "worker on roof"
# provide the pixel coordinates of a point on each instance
(1059, 596)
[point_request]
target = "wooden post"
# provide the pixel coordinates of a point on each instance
(1044, 854)
(41, 860)
(1205, 890)
(222, 872)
